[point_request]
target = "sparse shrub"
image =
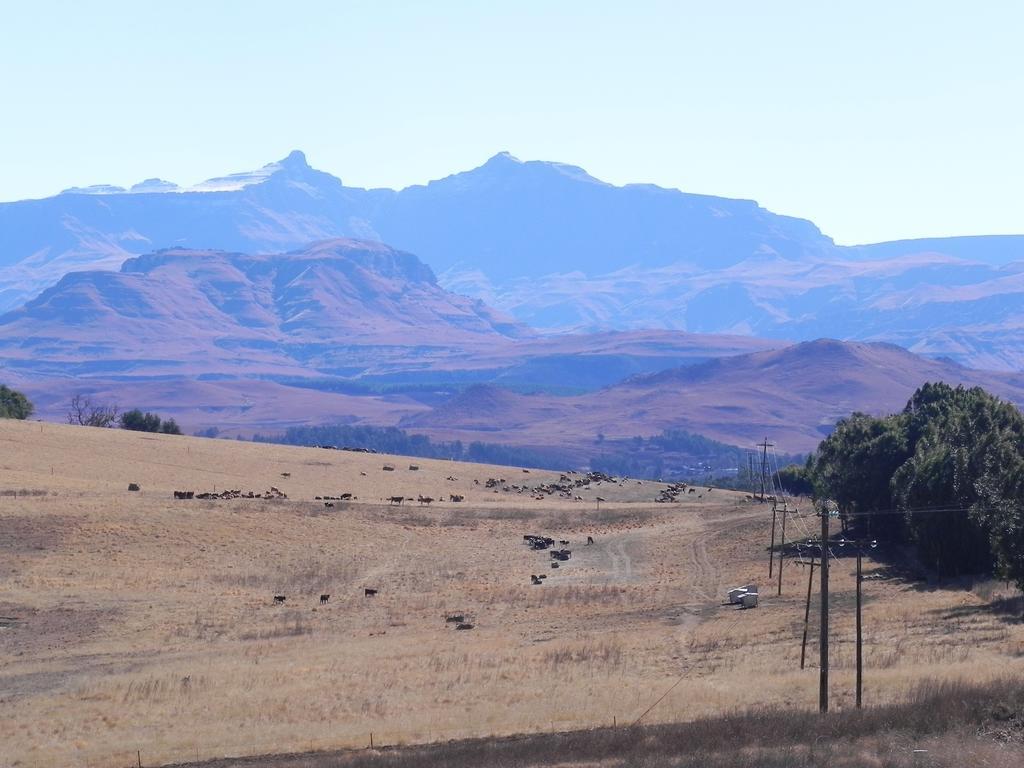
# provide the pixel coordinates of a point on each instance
(84, 412)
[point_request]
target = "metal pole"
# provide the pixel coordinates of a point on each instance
(860, 646)
(823, 644)
(807, 614)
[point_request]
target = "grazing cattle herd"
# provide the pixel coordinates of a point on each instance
(558, 556)
(564, 488)
(273, 493)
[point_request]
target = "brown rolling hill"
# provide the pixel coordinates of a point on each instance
(187, 311)
(318, 335)
(793, 395)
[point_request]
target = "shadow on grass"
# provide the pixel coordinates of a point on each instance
(763, 737)
(1008, 609)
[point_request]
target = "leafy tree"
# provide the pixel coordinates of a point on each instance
(13, 404)
(796, 479)
(953, 461)
(137, 421)
(170, 427)
(854, 467)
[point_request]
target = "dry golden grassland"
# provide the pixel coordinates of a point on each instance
(133, 621)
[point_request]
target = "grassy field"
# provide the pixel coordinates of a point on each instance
(133, 622)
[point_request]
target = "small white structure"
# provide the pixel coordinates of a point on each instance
(736, 594)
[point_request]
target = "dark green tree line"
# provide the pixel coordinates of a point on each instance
(952, 461)
(137, 421)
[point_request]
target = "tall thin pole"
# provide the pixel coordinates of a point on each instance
(782, 546)
(823, 645)
(771, 549)
(860, 645)
(764, 467)
(807, 614)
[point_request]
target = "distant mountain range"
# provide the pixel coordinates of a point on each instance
(560, 250)
(356, 332)
(341, 330)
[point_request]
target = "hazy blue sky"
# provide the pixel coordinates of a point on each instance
(877, 120)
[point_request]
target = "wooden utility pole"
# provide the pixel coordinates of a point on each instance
(860, 645)
(823, 644)
(764, 465)
(807, 613)
(782, 546)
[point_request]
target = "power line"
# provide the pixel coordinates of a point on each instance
(680, 678)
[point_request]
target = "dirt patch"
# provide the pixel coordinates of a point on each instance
(29, 534)
(34, 630)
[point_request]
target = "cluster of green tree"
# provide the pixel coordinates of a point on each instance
(13, 404)
(137, 421)
(397, 441)
(951, 465)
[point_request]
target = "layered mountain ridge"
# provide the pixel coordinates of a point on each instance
(336, 331)
(562, 251)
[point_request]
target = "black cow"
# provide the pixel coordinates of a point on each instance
(324, 599)
(278, 599)
(369, 592)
